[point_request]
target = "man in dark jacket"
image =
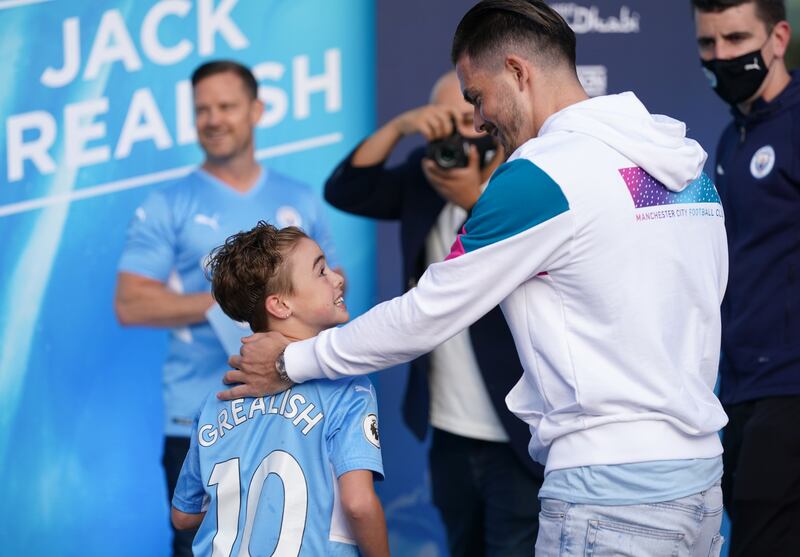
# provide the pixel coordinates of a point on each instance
(484, 483)
(742, 44)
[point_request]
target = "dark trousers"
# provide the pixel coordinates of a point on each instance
(761, 483)
(488, 501)
(175, 449)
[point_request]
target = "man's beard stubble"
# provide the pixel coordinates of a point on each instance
(508, 133)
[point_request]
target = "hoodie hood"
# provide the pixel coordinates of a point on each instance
(653, 142)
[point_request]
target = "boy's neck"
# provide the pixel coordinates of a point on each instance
(295, 331)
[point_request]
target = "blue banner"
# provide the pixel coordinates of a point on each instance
(96, 111)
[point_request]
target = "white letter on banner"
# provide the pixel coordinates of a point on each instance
(330, 82)
(142, 122)
(211, 21)
(155, 51)
(112, 26)
(276, 103)
(36, 150)
(184, 113)
(77, 134)
(72, 56)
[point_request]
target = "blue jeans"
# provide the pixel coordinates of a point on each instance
(688, 526)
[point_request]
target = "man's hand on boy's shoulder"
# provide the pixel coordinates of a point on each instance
(255, 373)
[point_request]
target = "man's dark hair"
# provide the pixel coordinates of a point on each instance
(771, 12)
(227, 66)
(491, 26)
(250, 266)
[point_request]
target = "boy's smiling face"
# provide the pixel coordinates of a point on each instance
(317, 299)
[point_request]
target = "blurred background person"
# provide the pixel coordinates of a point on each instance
(742, 46)
(161, 280)
(484, 484)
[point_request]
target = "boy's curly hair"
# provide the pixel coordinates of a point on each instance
(250, 266)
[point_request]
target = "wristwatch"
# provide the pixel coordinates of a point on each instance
(280, 367)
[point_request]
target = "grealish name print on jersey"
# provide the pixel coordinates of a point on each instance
(289, 406)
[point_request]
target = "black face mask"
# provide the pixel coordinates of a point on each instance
(737, 79)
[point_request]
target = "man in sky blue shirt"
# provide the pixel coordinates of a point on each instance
(161, 281)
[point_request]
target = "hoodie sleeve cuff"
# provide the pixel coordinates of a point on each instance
(301, 361)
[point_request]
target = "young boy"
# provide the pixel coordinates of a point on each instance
(289, 474)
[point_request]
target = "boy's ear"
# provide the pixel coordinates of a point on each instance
(276, 307)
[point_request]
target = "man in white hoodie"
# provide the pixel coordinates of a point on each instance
(604, 244)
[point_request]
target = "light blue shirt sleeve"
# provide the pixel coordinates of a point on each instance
(353, 436)
(150, 245)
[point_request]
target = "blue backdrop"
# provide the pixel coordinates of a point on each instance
(96, 109)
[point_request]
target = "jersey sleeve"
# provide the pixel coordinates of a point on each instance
(150, 244)
(521, 226)
(353, 437)
(189, 496)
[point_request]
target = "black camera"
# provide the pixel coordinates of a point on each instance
(453, 150)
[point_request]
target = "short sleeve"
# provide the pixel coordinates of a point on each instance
(150, 245)
(189, 496)
(353, 436)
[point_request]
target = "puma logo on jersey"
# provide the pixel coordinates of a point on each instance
(359, 388)
(212, 222)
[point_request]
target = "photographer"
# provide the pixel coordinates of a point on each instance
(483, 481)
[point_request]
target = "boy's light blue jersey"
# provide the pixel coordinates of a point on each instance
(265, 469)
(169, 239)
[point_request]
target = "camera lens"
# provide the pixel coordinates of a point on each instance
(450, 152)
(446, 157)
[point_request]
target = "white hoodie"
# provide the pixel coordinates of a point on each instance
(605, 246)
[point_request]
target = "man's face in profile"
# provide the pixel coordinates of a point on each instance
(494, 104)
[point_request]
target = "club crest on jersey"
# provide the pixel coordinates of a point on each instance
(762, 162)
(288, 216)
(371, 430)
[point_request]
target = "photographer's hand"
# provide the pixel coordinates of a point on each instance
(433, 121)
(461, 186)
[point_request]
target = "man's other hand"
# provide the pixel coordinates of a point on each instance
(255, 374)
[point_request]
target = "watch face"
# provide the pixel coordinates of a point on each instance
(280, 367)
